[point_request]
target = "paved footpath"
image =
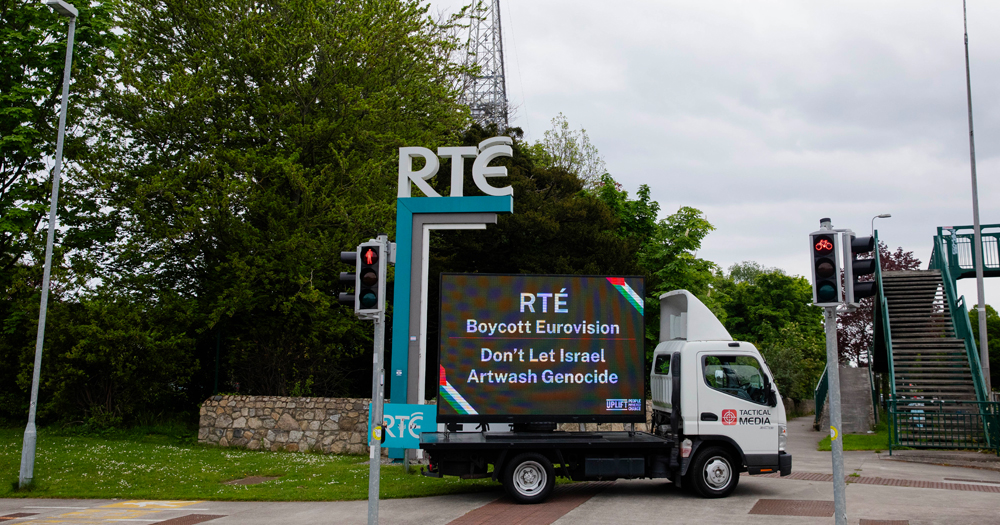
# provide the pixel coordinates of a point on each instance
(911, 487)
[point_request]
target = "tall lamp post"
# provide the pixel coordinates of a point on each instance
(879, 216)
(977, 252)
(30, 436)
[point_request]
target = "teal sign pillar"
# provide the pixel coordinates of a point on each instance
(415, 217)
(412, 212)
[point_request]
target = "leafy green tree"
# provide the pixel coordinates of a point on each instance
(112, 358)
(767, 300)
(774, 311)
(569, 150)
(32, 62)
(247, 143)
(796, 357)
(992, 340)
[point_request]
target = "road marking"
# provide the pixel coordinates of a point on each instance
(143, 504)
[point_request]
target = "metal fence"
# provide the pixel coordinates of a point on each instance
(935, 423)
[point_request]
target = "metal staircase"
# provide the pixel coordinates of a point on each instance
(929, 362)
(924, 341)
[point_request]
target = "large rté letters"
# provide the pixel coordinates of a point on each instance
(488, 150)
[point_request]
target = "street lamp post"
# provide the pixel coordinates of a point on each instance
(30, 436)
(879, 216)
(977, 251)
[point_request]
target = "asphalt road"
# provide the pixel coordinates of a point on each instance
(906, 488)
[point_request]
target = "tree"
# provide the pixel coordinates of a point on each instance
(570, 150)
(992, 340)
(774, 311)
(855, 329)
(796, 356)
(247, 143)
(759, 301)
(32, 55)
(32, 62)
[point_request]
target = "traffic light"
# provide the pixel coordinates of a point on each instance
(857, 267)
(370, 289)
(349, 280)
(825, 267)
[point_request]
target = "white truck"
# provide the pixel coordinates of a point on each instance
(716, 413)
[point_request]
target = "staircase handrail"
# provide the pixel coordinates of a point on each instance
(959, 314)
(819, 393)
(884, 310)
(871, 383)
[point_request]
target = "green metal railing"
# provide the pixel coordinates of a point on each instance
(959, 313)
(883, 309)
(871, 383)
(958, 250)
(819, 394)
(920, 423)
(934, 423)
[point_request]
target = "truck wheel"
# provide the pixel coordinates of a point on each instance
(529, 478)
(714, 474)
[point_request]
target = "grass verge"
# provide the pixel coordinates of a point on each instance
(152, 463)
(878, 441)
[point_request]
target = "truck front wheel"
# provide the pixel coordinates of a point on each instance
(714, 474)
(529, 478)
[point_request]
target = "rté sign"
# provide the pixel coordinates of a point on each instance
(488, 150)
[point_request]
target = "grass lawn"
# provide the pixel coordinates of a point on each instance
(878, 441)
(168, 464)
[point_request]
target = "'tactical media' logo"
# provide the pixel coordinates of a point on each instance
(729, 417)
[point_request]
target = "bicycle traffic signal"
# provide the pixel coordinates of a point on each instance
(825, 268)
(856, 267)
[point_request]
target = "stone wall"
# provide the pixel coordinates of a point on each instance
(322, 424)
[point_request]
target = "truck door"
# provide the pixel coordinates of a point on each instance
(733, 402)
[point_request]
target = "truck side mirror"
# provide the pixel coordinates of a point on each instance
(772, 398)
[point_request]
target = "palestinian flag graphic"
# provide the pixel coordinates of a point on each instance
(454, 398)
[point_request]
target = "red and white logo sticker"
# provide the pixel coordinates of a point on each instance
(729, 417)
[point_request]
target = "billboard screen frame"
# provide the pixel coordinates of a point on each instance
(639, 417)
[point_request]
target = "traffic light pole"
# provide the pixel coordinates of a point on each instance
(378, 375)
(836, 436)
(378, 397)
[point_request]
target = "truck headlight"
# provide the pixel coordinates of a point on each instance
(782, 437)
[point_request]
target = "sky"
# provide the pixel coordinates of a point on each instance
(770, 115)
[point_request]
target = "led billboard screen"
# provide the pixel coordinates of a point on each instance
(554, 348)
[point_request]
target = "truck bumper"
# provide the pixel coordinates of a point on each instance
(784, 463)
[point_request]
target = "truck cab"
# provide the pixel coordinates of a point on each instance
(716, 398)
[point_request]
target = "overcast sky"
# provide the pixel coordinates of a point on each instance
(755, 112)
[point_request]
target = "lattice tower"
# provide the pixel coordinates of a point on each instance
(485, 91)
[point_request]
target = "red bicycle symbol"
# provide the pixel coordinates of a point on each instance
(824, 245)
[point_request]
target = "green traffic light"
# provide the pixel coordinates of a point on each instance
(368, 300)
(826, 293)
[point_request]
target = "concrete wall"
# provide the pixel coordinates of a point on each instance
(857, 413)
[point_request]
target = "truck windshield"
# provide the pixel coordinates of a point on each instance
(737, 375)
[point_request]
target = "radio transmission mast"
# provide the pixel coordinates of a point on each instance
(485, 90)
